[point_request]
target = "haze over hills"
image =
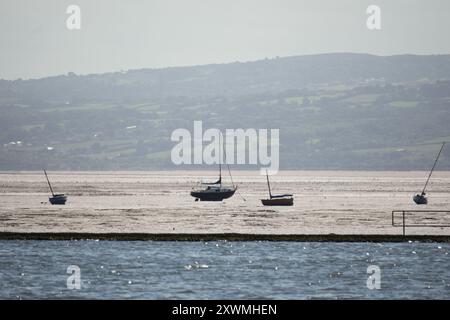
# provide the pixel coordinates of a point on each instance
(334, 111)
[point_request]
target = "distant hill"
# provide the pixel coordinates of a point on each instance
(334, 111)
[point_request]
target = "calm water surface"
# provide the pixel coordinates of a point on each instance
(223, 270)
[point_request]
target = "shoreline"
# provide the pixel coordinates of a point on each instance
(193, 237)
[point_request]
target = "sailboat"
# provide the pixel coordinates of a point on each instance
(214, 191)
(55, 198)
(277, 200)
(421, 198)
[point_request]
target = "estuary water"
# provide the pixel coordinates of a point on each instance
(222, 270)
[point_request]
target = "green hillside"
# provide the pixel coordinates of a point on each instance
(335, 111)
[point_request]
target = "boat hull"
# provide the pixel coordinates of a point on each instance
(278, 202)
(58, 199)
(212, 195)
(419, 199)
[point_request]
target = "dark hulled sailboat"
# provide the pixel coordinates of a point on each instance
(214, 191)
(277, 200)
(55, 198)
(421, 198)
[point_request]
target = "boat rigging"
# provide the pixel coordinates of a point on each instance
(421, 198)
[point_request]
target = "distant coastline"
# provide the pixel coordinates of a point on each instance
(341, 111)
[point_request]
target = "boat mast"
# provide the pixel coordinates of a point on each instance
(434, 165)
(220, 160)
(49, 183)
(268, 184)
(228, 166)
(231, 177)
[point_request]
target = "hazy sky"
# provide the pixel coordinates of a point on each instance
(121, 35)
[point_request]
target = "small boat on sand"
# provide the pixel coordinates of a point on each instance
(214, 191)
(55, 198)
(277, 200)
(421, 198)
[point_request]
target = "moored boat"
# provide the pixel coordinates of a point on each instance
(214, 191)
(421, 198)
(285, 201)
(58, 199)
(55, 198)
(277, 200)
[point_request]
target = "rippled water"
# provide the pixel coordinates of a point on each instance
(223, 270)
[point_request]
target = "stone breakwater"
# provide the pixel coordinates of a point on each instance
(224, 237)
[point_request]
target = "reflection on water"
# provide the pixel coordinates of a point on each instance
(223, 270)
